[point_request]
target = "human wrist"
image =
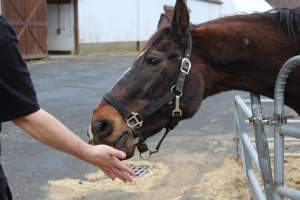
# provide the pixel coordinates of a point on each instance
(86, 152)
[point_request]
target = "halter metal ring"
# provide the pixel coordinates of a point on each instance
(186, 66)
(176, 92)
(133, 121)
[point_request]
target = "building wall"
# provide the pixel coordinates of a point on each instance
(136, 20)
(232, 7)
(106, 21)
(131, 20)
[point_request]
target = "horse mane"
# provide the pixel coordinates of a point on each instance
(288, 19)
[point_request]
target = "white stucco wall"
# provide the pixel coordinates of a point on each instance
(130, 20)
(231, 7)
(106, 21)
(150, 12)
(136, 20)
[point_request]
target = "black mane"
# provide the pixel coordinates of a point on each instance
(289, 19)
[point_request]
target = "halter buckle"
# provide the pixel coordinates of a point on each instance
(185, 66)
(133, 121)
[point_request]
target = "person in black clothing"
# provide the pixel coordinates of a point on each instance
(18, 103)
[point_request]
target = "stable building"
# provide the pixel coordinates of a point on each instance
(43, 26)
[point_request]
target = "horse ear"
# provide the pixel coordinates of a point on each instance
(164, 21)
(181, 19)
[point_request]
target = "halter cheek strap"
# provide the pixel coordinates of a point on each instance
(135, 120)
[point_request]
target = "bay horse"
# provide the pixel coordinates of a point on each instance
(183, 64)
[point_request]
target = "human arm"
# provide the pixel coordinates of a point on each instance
(19, 103)
(48, 130)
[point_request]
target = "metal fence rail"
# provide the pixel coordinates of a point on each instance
(259, 155)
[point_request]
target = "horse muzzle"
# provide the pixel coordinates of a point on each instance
(123, 142)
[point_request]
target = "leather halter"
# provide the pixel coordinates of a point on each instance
(135, 120)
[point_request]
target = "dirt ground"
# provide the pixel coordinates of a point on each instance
(174, 175)
(226, 182)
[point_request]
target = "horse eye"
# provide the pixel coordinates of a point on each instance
(153, 61)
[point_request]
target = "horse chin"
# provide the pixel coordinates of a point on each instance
(125, 143)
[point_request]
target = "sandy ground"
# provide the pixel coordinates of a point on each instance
(227, 182)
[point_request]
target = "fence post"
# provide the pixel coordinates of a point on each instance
(262, 146)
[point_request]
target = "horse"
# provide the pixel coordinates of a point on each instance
(183, 64)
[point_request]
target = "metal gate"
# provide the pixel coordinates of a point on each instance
(274, 188)
(29, 19)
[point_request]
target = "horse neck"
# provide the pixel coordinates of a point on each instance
(241, 55)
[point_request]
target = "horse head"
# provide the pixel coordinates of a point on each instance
(154, 73)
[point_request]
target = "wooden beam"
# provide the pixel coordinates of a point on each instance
(76, 27)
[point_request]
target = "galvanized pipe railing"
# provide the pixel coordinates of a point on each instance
(280, 85)
(274, 190)
(281, 81)
(248, 151)
(262, 145)
(290, 131)
(288, 192)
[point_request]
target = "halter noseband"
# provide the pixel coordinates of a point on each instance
(135, 120)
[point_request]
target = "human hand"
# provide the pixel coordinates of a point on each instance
(107, 159)
(48, 130)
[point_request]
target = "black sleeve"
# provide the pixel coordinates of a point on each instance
(17, 94)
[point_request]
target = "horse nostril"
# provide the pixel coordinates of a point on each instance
(102, 127)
